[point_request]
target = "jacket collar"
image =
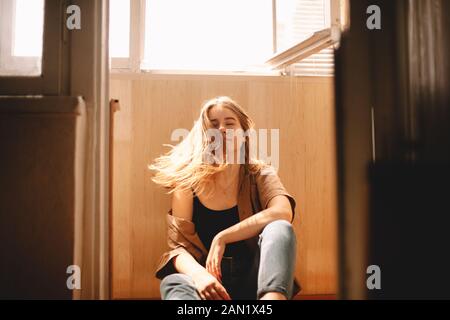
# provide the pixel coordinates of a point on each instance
(244, 195)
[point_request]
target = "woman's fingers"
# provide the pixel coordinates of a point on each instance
(214, 270)
(223, 292)
(218, 292)
(215, 295)
(217, 270)
(211, 293)
(207, 295)
(202, 296)
(213, 290)
(211, 268)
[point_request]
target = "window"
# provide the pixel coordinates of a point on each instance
(119, 40)
(207, 34)
(126, 28)
(119, 33)
(222, 35)
(21, 37)
(297, 20)
(33, 47)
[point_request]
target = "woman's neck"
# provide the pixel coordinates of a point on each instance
(231, 173)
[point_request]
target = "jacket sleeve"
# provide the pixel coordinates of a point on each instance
(269, 185)
(181, 238)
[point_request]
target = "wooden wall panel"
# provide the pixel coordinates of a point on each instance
(39, 195)
(152, 106)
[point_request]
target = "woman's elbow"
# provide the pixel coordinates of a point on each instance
(281, 208)
(281, 213)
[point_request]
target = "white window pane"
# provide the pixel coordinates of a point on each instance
(21, 37)
(299, 19)
(28, 28)
(207, 34)
(119, 28)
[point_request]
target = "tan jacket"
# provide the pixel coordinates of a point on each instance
(255, 192)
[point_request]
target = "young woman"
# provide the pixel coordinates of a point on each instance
(229, 228)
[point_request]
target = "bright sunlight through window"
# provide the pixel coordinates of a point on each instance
(21, 37)
(230, 35)
(119, 33)
(28, 28)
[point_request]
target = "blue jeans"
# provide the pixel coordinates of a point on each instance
(270, 270)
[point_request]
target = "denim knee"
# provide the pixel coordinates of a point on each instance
(178, 286)
(279, 230)
(277, 260)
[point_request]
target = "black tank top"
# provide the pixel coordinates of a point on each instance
(209, 222)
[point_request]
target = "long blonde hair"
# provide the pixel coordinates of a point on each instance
(184, 168)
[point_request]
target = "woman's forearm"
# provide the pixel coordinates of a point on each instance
(250, 227)
(185, 263)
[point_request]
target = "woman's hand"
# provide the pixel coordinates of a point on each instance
(214, 259)
(209, 287)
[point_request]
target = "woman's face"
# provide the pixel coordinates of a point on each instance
(224, 119)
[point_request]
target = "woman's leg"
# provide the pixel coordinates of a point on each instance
(277, 244)
(178, 286)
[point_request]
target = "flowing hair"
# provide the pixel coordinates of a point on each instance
(184, 168)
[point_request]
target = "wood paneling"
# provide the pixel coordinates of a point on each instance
(152, 106)
(39, 194)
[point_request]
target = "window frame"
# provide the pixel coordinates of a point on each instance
(52, 79)
(320, 40)
(313, 45)
(136, 49)
(7, 18)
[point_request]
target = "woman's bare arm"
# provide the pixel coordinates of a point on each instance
(278, 208)
(207, 285)
(186, 263)
(182, 204)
